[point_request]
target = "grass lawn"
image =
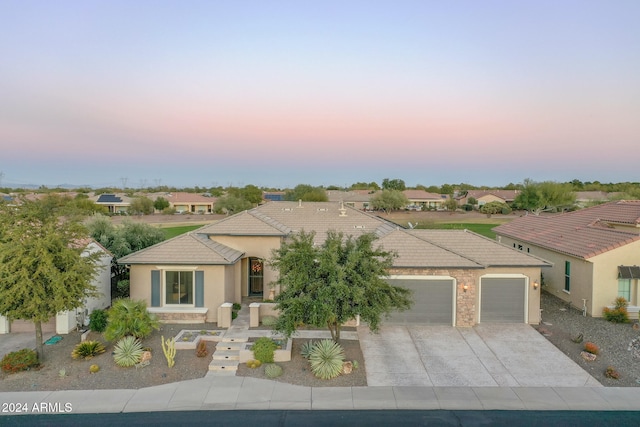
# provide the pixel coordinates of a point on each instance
(482, 229)
(176, 231)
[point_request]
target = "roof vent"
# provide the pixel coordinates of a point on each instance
(299, 203)
(359, 226)
(323, 209)
(343, 211)
(287, 209)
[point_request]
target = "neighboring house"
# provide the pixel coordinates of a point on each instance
(117, 204)
(190, 202)
(273, 196)
(487, 196)
(594, 252)
(359, 199)
(424, 200)
(65, 322)
(586, 198)
(457, 277)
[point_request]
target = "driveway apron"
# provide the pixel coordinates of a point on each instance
(493, 355)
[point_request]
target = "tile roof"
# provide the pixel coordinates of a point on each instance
(584, 233)
(422, 195)
(186, 249)
(182, 197)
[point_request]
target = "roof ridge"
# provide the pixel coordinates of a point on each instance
(214, 245)
(444, 248)
(269, 221)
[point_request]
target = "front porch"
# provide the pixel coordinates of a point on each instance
(180, 315)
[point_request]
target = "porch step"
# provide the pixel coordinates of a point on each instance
(226, 355)
(229, 346)
(236, 339)
(224, 365)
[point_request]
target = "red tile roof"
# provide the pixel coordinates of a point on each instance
(180, 197)
(584, 233)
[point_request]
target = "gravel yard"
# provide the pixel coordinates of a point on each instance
(561, 325)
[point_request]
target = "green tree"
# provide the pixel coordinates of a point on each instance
(450, 204)
(161, 203)
(331, 284)
(44, 265)
(495, 208)
(537, 197)
(306, 193)
(393, 184)
(141, 206)
(231, 204)
(252, 194)
(389, 200)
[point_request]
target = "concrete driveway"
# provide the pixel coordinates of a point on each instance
(498, 355)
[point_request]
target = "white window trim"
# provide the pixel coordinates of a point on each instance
(163, 285)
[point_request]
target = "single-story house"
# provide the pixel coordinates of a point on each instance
(190, 202)
(66, 321)
(359, 199)
(487, 196)
(115, 203)
(457, 277)
(424, 200)
(595, 252)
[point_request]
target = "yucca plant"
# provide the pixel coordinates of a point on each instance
(127, 352)
(128, 317)
(87, 349)
(326, 359)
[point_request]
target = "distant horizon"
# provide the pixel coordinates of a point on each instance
(203, 93)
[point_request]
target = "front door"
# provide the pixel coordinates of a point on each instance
(256, 276)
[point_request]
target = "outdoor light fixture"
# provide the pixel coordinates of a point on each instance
(465, 287)
(535, 284)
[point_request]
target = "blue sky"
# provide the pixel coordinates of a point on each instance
(279, 93)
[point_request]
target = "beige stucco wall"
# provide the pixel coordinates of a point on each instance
(488, 199)
(581, 276)
(218, 285)
(605, 275)
(259, 247)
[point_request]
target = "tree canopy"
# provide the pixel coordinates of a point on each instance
(306, 193)
(44, 265)
(331, 284)
(537, 197)
(393, 184)
(389, 200)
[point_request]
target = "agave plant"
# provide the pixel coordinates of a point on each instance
(127, 352)
(326, 359)
(87, 349)
(305, 351)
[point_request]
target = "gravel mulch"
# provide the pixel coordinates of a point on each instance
(298, 371)
(561, 325)
(77, 376)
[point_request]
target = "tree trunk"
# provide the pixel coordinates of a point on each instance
(39, 345)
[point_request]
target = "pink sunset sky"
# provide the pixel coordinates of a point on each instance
(278, 93)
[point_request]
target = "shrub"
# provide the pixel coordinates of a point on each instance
(98, 320)
(94, 368)
(269, 321)
(253, 364)
(21, 360)
(236, 306)
(272, 370)
(611, 372)
(619, 313)
(326, 359)
(263, 349)
(127, 352)
(590, 347)
(201, 349)
(87, 349)
(128, 317)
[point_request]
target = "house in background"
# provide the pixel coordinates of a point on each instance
(595, 252)
(457, 277)
(359, 199)
(190, 202)
(487, 196)
(65, 322)
(115, 204)
(273, 196)
(420, 199)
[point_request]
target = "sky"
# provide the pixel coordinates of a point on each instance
(277, 93)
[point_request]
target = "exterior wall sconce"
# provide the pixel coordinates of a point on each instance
(465, 287)
(535, 285)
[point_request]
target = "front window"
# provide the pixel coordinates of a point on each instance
(624, 289)
(179, 287)
(567, 276)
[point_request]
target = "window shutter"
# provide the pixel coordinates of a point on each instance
(199, 288)
(155, 288)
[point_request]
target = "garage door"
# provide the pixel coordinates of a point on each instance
(502, 300)
(29, 326)
(433, 302)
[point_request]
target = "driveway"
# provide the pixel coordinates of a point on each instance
(498, 355)
(19, 340)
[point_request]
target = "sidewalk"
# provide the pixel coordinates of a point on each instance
(225, 393)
